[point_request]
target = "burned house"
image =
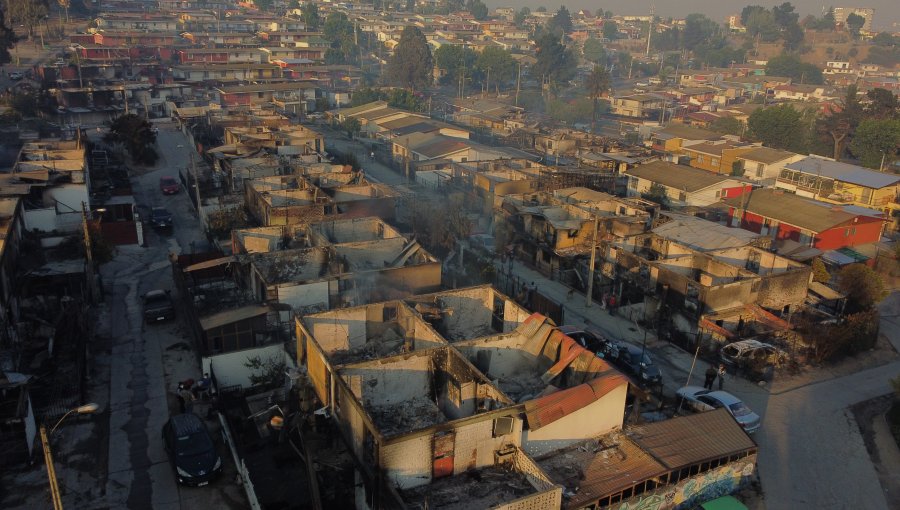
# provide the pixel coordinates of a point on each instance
(557, 228)
(285, 200)
(690, 282)
(421, 411)
(323, 233)
(324, 277)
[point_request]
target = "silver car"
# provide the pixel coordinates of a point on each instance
(701, 399)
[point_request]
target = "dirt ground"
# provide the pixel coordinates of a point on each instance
(867, 414)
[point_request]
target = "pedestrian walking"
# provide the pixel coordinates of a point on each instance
(711, 374)
(187, 399)
(180, 399)
(721, 376)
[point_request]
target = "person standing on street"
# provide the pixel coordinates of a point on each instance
(710, 377)
(721, 376)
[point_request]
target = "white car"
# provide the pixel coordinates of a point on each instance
(701, 399)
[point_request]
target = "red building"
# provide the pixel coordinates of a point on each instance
(784, 216)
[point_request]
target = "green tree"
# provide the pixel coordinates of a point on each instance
(351, 126)
(496, 63)
(784, 15)
(365, 96)
(478, 10)
(759, 21)
(793, 37)
(412, 63)
(541, 9)
(777, 126)
(882, 103)
(554, 60)
(309, 13)
(657, 193)
(137, 135)
(454, 60)
(698, 29)
(854, 23)
(7, 38)
(520, 16)
(883, 56)
(594, 52)
(610, 30)
(339, 31)
(862, 286)
(727, 126)
(874, 139)
(561, 22)
(792, 67)
(820, 272)
(884, 39)
(596, 84)
(839, 125)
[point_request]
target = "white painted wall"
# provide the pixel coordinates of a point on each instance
(229, 367)
(600, 417)
(304, 295)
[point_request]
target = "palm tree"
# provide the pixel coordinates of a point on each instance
(595, 85)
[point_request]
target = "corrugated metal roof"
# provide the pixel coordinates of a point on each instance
(688, 440)
(854, 174)
(766, 155)
(680, 177)
(794, 210)
(545, 410)
(615, 469)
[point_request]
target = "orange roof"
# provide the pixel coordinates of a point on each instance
(545, 410)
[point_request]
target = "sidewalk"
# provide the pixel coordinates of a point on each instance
(575, 310)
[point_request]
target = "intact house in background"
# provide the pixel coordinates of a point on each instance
(763, 165)
(683, 185)
(798, 224)
(840, 183)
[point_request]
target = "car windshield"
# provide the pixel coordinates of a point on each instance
(190, 445)
(156, 299)
(167, 181)
(739, 409)
(636, 358)
(160, 213)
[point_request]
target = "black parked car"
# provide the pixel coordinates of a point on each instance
(160, 218)
(158, 306)
(635, 361)
(588, 338)
(191, 450)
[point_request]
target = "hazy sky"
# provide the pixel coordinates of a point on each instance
(887, 12)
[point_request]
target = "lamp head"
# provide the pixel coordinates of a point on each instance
(87, 408)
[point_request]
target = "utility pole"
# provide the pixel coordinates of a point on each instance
(407, 161)
(590, 283)
(518, 79)
(51, 470)
(88, 253)
(196, 187)
(649, 32)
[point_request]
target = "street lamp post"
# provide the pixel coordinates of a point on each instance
(48, 455)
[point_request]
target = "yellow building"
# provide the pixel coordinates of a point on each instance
(718, 157)
(841, 183)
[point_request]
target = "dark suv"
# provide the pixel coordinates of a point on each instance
(158, 306)
(191, 450)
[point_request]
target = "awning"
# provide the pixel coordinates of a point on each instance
(825, 292)
(206, 264)
(233, 315)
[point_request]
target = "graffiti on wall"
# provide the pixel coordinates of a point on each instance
(712, 484)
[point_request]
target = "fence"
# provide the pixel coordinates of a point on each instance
(517, 288)
(241, 466)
